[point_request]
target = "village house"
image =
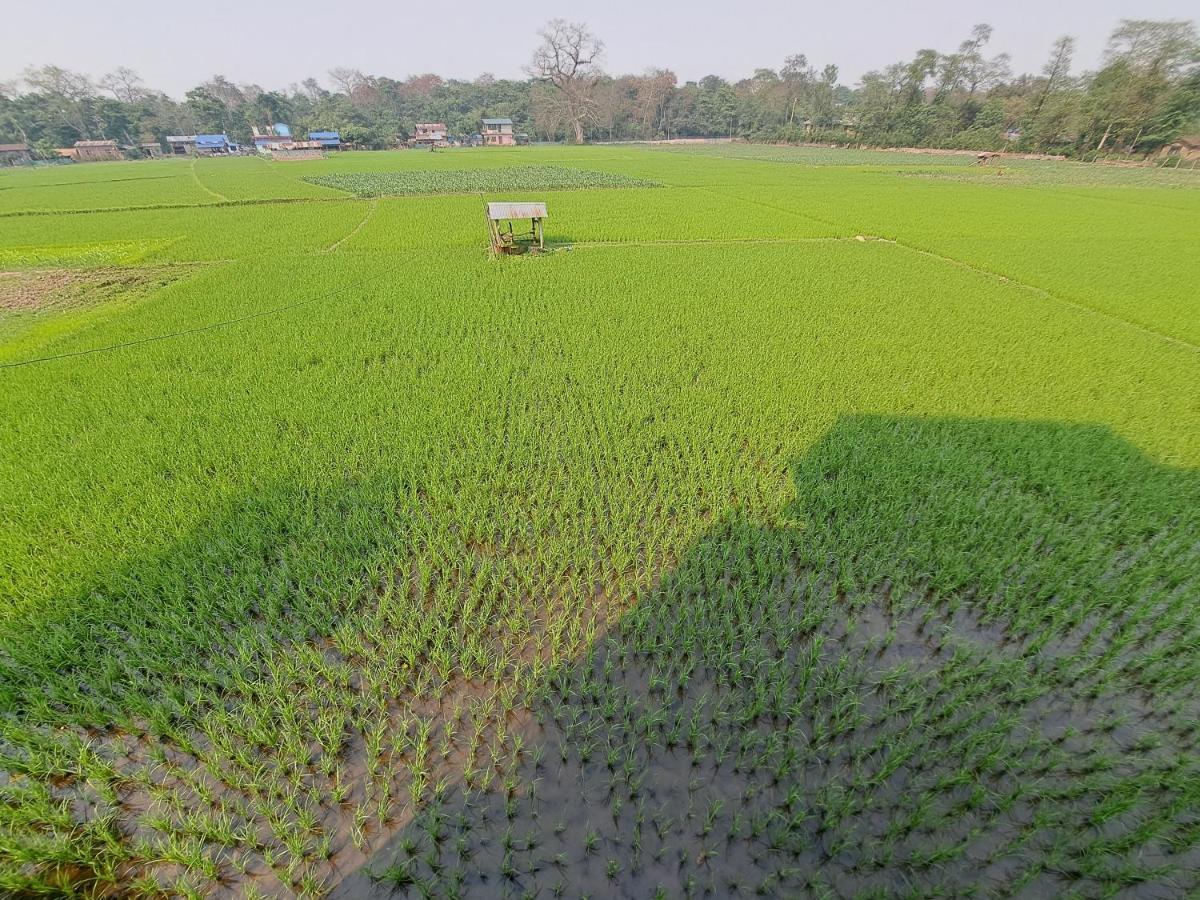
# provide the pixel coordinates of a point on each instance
(429, 134)
(1185, 148)
(214, 145)
(181, 144)
(498, 133)
(273, 137)
(97, 151)
(15, 154)
(329, 140)
(298, 150)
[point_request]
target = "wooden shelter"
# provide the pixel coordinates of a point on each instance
(501, 218)
(15, 154)
(182, 144)
(1185, 148)
(97, 151)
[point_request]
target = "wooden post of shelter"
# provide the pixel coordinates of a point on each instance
(503, 241)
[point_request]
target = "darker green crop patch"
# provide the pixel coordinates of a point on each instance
(464, 181)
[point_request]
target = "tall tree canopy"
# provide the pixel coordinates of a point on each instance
(1143, 95)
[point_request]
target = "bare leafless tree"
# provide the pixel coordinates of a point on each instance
(1164, 48)
(251, 91)
(58, 81)
(67, 93)
(224, 90)
(346, 79)
(653, 90)
(547, 110)
(569, 60)
(124, 84)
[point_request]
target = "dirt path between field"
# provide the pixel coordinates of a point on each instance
(200, 184)
(356, 229)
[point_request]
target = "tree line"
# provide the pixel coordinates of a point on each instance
(1144, 94)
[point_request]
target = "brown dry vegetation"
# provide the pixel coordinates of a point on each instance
(37, 290)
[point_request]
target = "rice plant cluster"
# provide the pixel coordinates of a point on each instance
(473, 181)
(729, 554)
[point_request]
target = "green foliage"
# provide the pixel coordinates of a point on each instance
(815, 526)
(1138, 97)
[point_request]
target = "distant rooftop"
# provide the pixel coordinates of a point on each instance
(497, 121)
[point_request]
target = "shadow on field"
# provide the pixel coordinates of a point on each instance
(138, 643)
(965, 661)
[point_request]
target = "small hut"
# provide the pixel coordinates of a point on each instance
(97, 151)
(15, 154)
(501, 218)
(1183, 149)
(182, 144)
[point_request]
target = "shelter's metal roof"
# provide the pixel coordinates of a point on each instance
(181, 138)
(527, 210)
(95, 143)
(212, 140)
(497, 121)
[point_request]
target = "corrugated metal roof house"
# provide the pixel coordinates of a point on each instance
(330, 140)
(273, 137)
(14, 154)
(97, 151)
(498, 133)
(181, 144)
(214, 144)
(429, 134)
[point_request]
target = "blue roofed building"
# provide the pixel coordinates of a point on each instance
(329, 140)
(214, 144)
(273, 137)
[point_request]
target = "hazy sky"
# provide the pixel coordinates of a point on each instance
(175, 45)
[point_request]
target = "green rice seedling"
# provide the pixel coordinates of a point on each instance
(833, 550)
